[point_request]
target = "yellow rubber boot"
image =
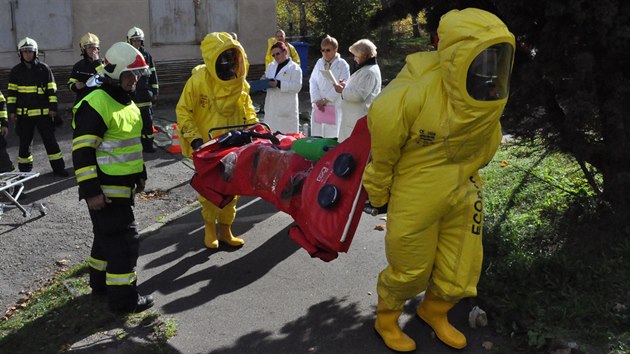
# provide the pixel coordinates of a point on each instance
(387, 327)
(225, 235)
(210, 235)
(433, 310)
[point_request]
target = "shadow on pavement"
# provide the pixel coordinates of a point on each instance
(241, 272)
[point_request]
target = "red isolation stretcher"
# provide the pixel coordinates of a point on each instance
(315, 182)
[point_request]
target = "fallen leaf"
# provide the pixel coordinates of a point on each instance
(487, 345)
(62, 262)
(379, 227)
(504, 164)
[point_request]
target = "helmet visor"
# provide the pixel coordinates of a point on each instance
(229, 65)
(141, 72)
(488, 77)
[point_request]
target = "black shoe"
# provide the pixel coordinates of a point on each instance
(143, 303)
(61, 173)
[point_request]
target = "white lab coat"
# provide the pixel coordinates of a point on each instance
(322, 88)
(360, 91)
(281, 104)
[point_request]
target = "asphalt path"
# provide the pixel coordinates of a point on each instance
(270, 296)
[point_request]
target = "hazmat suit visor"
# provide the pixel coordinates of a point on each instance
(229, 65)
(488, 77)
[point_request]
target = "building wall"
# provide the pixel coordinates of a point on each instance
(173, 28)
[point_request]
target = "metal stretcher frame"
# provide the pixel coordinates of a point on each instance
(9, 181)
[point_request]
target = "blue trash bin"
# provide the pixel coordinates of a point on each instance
(302, 49)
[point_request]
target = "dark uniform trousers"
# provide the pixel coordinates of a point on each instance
(25, 129)
(117, 242)
(5, 161)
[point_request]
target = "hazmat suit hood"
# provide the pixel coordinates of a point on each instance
(225, 90)
(464, 36)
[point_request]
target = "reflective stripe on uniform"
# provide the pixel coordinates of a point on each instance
(109, 159)
(13, 87)
(31, 112)
(116, 191)
(57, 156)
(85, 173)
(91, 141)
(143, 104)
(120, 279)
(110, 145)
(52, 86)
(25, 89)
(25, 159)
(97, 264)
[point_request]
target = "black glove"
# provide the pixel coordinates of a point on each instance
(196, 144)
(372, 210)
(57, 121)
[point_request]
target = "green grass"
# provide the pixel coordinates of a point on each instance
(553, 270)
(63, 312)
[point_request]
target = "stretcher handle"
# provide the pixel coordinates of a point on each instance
(230, 127)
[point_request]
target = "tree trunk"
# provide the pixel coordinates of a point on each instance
(414, 24)
(303, 30)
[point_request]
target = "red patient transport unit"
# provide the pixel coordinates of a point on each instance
(324, 197)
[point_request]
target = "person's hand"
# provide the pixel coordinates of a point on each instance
(321, 104)
(140, 185)
(273, 83)
(154, 99)
(97, 202)
(13, 117)
(56, 119)
(79, 85)
(196, 144)
(374, 211)
(339, 88)
(4, 131)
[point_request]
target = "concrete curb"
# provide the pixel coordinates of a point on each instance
(155, 227)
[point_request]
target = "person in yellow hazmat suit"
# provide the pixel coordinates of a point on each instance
(215, 95)
(433, 127)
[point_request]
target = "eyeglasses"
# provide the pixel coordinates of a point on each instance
(326, 50)
(275, 54)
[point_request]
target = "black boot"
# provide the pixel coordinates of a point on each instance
(143, 303)
(59, 168)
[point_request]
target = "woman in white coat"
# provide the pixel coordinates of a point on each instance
(285, 81)
(322, 90)
(361, 89)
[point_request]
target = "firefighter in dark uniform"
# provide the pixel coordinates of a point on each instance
(147, 89)
(107, 156)
(32, 101)
(5, 162)
(86, 67)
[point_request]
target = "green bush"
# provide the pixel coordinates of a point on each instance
(551, 269)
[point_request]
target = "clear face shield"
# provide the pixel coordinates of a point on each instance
(488, 77)
(229, 65)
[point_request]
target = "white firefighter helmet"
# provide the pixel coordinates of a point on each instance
(123, 57)
(135, 33)
(88, 40)
(27, 44)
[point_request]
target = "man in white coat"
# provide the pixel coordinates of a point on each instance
(322, 90)
(285, 81)
(361, 89)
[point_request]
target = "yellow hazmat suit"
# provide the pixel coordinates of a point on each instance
(431, 132)
(210, 100)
